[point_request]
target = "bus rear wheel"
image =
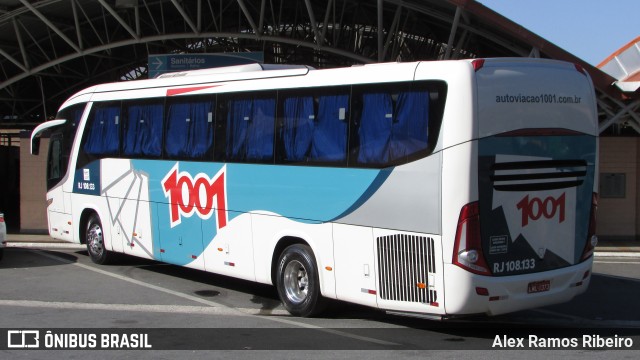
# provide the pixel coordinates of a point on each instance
(95, 241)
(297, 281)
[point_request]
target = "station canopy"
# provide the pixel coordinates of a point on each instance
(50, 49)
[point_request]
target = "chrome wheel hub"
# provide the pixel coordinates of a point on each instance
(95, 240)
(296, 282)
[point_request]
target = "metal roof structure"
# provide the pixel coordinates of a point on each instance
(624, 66)
(49, 49)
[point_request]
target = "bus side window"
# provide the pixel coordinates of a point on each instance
(101, 135)
(250, 129)
(314, 128)
(143, 129)
(375, 126)
(296, 129)
(330, 133)
(410, 129)
(190, 129)
(391, 125)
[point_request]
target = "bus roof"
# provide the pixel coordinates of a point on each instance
(280, 76)
(384, 72)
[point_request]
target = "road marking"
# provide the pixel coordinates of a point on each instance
(133, 281)
(224, 309)
(45, 245)
(197, 310)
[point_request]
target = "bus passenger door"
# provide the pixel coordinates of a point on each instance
(354, 264)
(127, 207)
(135, 216)
(113, 205)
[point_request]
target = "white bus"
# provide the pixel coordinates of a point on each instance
(429, 188)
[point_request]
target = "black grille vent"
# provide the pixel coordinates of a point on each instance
(538, 175)
(404, 262)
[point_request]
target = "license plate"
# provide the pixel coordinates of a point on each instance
(539, 286)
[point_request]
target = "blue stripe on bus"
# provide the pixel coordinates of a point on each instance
(302, 194)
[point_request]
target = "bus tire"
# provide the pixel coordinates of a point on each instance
(297, 281)
(94, 236)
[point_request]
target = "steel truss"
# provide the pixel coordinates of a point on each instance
(52, 48)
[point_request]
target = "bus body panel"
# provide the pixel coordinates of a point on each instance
(459, 187)
(60, 226)
(355, 264)
(509, 294)
(229, 252)
(386, 205)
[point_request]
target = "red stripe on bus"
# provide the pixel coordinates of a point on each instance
(171, 92)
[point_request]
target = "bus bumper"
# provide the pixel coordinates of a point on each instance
(467, 293)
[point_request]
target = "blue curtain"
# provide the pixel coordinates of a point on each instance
(189, 129)
(375, 128)
(391, 131)
(329, 141)
(104, 133)
(143, 133)
(250, 129)
(238, 117)
(411, 124)
(298, 127)
(261, 130)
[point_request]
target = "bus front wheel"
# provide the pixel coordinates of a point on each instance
(297, 281)
(95, 241)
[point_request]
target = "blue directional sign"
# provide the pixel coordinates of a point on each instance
(163, 63)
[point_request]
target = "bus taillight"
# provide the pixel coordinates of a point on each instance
(592, 239)
(467, 252)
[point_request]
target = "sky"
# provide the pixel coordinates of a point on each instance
(589, 29)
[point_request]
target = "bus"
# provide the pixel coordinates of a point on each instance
(431, 189)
